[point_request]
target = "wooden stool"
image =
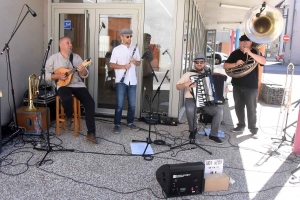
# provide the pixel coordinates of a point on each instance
(60, 115)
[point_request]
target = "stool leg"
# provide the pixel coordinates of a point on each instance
(57, 116)
(75, 117)
(62, 114)
(79, 114)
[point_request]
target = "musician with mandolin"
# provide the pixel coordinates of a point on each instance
(67, 69)
(124, 60)
(190, 102)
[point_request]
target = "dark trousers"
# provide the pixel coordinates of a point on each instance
(213, 110)
(245, 97)
(83, 95)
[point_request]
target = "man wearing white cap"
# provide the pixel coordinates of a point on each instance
(215, 111)
(125, 57)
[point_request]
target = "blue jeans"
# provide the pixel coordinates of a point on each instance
(121, 91)
(245, 97)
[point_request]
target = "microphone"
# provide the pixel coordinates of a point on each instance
(49, 43)
(165, 51)
(31, 11)
(145, 54)
(103, 25)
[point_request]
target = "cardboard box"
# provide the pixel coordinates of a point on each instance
(216, 182)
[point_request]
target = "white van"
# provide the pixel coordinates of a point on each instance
(219, 56)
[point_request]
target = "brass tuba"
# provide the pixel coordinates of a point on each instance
(262, 24)
(32, 89)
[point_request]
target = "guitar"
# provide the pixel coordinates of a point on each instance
(69, 73)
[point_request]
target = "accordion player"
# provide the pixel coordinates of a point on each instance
(210, 89)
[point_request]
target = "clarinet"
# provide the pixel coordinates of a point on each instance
(123, 77)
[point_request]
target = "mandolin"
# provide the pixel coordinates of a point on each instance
(69, 73)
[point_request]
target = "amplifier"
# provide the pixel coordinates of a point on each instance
(51, 104)
(168, 121)
(26, 119)
(181, 179)
(153, 120)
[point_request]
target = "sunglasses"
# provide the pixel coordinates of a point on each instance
(128, 36)
(199, 62)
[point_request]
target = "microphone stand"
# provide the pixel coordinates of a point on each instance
(283, 139)
(148, 157)
(49, 147)
(158, 92)
(192, 139)
(6, 50)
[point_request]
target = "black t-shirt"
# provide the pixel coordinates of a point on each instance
(251, 79)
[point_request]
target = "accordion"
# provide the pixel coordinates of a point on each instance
(209, 90)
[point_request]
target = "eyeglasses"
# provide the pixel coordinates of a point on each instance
(128, 36)
(199, 62)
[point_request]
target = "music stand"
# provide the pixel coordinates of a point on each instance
(192, 139)
(6, 50)
(42, 77)
(150, 101)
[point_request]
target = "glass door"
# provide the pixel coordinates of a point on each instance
(108, 25)
(94, 32)
(75, 24)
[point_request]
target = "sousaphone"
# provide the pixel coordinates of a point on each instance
(262, 24)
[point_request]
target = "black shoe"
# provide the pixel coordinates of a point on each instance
(215, 139)
(238, 129)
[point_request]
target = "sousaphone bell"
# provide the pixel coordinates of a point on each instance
(262, 24)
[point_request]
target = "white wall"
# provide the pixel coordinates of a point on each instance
(26, 50)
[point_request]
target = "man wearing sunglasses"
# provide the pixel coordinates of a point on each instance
(215, 111)
(125, 57)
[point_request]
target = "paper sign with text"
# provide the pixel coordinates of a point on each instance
(214, 166)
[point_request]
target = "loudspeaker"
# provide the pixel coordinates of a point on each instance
(181, 179)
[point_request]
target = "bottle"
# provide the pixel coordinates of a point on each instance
(37, 125)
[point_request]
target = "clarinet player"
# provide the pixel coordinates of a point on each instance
(125, 57)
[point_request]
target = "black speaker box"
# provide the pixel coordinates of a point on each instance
(181, 179)
(167, 121)
(205, 118)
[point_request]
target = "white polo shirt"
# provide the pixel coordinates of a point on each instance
(121, 55)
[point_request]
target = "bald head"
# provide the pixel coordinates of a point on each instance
(65, 45)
